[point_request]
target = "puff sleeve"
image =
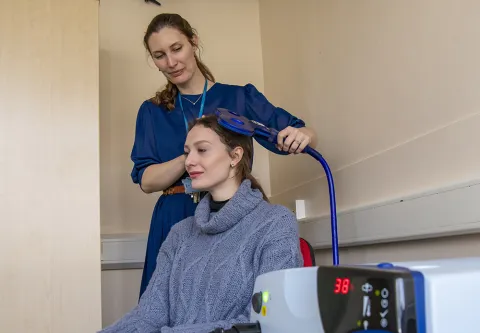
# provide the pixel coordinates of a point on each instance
(258, 108)
(144, 150)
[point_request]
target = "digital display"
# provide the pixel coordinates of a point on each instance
(342, 286)
(354, 300)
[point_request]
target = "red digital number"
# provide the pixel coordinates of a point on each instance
(338, 286)
(342, 286)
(345, 286)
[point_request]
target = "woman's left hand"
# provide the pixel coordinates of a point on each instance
(294, 140)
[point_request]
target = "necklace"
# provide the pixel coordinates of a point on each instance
(201, 106)
(191, 101)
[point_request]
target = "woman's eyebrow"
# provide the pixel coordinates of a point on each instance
(197, 143)
(201, 141)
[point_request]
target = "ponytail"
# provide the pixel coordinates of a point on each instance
(167, 96)
(256, 185)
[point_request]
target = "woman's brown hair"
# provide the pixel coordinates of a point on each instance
(166, 97)
(232, 140)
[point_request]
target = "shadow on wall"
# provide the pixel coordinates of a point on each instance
(117, 114)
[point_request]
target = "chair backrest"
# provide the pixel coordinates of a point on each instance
(307, 253)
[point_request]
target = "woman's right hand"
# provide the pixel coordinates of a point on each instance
(294, 140)
(159, 177)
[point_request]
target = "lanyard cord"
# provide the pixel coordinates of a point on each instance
(202, 105)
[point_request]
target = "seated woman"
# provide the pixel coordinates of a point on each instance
(206, 268)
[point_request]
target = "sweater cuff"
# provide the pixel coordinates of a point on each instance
(196, 328)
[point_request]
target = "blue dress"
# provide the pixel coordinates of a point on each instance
(160, 137)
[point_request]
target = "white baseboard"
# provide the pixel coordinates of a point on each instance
(444, 212)
(123, 251)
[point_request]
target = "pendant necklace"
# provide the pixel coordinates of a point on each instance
(191, 101)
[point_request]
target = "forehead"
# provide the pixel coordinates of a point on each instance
(200, 133)
(165, 38)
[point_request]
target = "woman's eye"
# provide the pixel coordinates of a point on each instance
(202, 150)
(177, 49)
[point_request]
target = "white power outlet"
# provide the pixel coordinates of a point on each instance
(300, 209)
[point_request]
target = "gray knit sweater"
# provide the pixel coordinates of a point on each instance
(207, 266)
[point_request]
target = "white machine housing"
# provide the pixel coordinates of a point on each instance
(292, 301)
(451, 289)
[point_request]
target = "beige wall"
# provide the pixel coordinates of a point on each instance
(390, 86)
(49, 189)
(229, 34)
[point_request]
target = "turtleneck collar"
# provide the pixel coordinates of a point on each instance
(242, 203)
(215, 206)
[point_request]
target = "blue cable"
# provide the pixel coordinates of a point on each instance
(241, 125)
(333, 205)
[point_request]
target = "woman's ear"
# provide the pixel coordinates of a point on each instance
(236, 154)
(195, 43)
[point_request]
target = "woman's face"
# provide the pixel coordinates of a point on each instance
(208, 162)
(173, 54)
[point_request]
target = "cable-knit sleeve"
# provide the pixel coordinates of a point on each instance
(152, 311)
(280, 248)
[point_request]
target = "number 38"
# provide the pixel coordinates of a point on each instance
(342, 286)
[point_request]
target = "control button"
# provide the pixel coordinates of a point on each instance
(385, 293)
(366, 306)
(384, 303)
(257, 302)
(383, 314)
(385, 265)
(365, 325)
(367, 288)
(384, 323)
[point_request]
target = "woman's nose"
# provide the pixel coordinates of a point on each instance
(171, 62)
(190, 160)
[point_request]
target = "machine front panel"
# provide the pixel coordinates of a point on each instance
(358, 300)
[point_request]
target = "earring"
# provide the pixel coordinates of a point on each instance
(232, 165)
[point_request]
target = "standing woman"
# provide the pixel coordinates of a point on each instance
(162, 125)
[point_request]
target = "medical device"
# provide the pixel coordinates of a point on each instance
(435, 296)
(242, 125)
